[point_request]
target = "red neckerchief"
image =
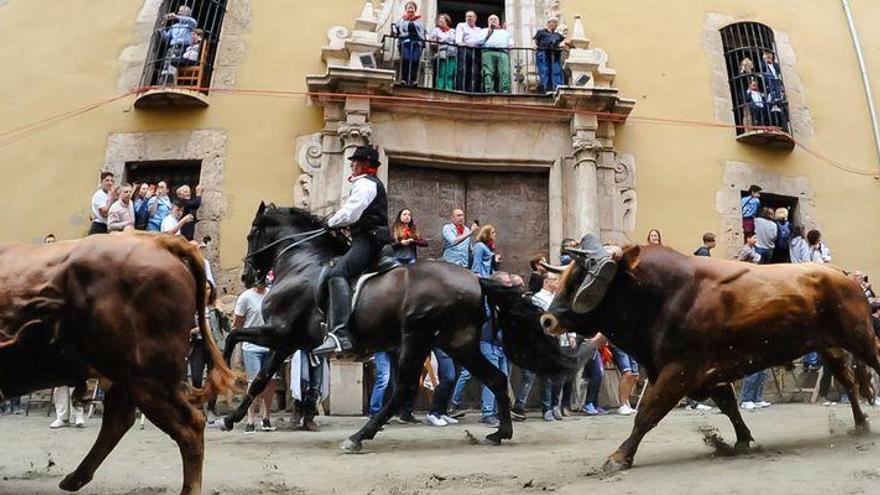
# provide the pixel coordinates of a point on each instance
(446, 29)
(367, 171)
(491, 245)
(413, 17)
(407, 233)
(459, 229)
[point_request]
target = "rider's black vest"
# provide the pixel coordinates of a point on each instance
(374, 220)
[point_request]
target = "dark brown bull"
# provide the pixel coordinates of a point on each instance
(116, 306)
(697, 324)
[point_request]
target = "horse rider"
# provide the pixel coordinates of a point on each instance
(365, 213)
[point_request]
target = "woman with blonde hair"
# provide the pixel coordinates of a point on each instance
(485, 258)
(782, 252)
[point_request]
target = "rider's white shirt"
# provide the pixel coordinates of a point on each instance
(362, 193)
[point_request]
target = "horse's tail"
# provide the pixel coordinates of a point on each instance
(522, 336)
(221, 378)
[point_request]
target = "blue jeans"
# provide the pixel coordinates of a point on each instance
(528, 379)
(593, 371)
(550, 392)
(549, 69)
(446, 379)
(254, 362)
(811, 359)
(463, 378)
(382, 362)
(495, 355)
(765, 253)
(624, 362)
(753, 387)
(410, 58)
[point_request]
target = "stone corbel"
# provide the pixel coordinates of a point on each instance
(308, 157)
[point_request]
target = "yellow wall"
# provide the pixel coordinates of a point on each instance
(58, 55)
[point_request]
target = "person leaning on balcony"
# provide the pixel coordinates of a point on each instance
(497, 43)
(757, 103)
(444, 35)
(410, 33)
(468, 37)
(180, 33)
(548, 57)
(190, 56)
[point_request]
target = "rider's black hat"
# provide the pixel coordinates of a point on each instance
(367, 153)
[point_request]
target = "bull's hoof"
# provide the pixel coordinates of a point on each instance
(72, 483)
(351, 446)
(861, 429)
(494, 438)
(226, 424)
(613, 465)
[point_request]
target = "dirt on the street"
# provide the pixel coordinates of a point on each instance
(803, 449)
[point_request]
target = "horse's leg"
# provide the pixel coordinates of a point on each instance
(835, 362)
(276, 359)
(470, 357)
(725, 398)
(661, 397)
(167, 406)
(413, 352)
(265, 336)
(118, 418)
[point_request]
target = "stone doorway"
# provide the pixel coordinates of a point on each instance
(516, 203)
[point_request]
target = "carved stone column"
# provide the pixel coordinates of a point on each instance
(584, 188)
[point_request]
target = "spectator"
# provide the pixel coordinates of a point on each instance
(748, 253)
(175, 221)
(819, 252)
(548, 56)
(457, 239)
(570, 342)
(248, 314)
(752, 394)
(121, 215)
(405, 237)
(219, 326)
(438, 414)
(654, 237)
(446, 61)
(536, 276)
(782, 251)
(551, 389)
(767, 232)
(496, 44)
(65, 411)
(178, 36)
(141, 194)
(484, 252)
(190, 55)
(594, 372)
(757, 104)
(209, 275)
(708, 245)
(772, 81)
(468, 38)
(629, 376)
(410, 33)
(385, 366)
(862, 279)
(307, 383)
(49, 239)
(158, 207)
(750, 206)
(799, 249)
(101, 202)
(191, 206)
(746, 66)
(564, 257)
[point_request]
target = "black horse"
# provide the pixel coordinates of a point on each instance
(410, 309)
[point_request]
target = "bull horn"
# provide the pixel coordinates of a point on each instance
(552, 268)
(576, 251)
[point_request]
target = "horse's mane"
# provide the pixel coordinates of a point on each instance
(303, 220)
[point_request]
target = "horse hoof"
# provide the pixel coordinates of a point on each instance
(861, 430)
(613, 465)
(493, 439)
(351, 446)
(72, 483)
(226, 424)
(742, 448)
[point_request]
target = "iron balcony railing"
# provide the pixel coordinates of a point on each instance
(755, 77)
(449, 67)
(184, 44)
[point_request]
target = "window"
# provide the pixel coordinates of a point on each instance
(483, 9)
(181, 54)
(757, 88)
(175, 173)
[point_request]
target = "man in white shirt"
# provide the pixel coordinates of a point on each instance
(469, 37)
(101, 202)
(497, 42)
(121, 215)
(249, 314)
(174, 221)
(365, 213)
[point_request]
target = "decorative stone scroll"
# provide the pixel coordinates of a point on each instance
(308, 157)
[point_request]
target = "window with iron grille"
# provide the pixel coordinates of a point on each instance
(757, 88)
(184, 44)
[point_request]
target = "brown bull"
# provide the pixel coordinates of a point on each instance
(697, 324)
(116, 306)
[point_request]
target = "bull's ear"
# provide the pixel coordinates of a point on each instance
(630, 258)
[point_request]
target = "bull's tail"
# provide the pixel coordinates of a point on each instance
(522, 336)
(221, 378)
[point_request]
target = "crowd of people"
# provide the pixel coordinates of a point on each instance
(470, 58)
(765, 93)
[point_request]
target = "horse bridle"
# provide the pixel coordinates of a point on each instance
(300, 237)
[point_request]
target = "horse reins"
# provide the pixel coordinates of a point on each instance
(312, 234)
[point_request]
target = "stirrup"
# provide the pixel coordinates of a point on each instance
(331, 344)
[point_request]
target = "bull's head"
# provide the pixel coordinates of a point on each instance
(566, 310)
(258, 261)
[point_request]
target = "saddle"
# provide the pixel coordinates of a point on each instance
(385, 263)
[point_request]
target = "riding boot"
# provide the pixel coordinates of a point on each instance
(601, 269)
(338, 339)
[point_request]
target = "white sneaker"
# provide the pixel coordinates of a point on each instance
(762, 404)
(829, 403)
(625, 410)
(749, 406)
(58, 423)
(702, 407)
(449, 421)
(435, 421)
(548, 416)
(79, 421)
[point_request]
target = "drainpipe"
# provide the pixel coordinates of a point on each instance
(858, 46)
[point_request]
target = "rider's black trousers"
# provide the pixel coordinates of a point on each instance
(364, 251)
